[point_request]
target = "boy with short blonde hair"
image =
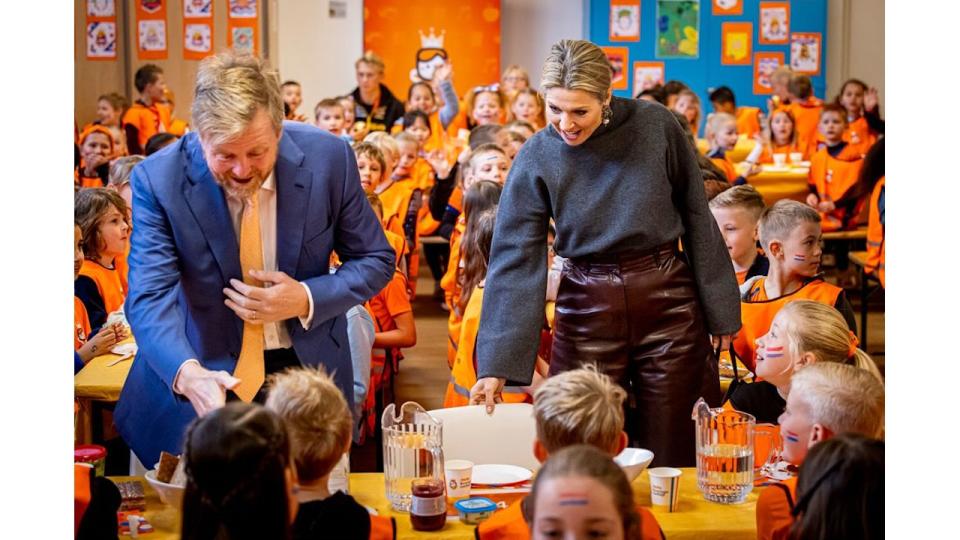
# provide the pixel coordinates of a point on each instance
(320, 425)
(329, 116)
(737, 212)
(826, 399)
(722, 136)
(790, 236)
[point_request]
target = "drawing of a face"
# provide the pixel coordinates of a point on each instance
(101, 39)
(428, 60)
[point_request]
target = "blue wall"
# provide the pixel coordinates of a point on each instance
(706, 71)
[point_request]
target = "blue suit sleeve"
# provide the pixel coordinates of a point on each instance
(152, 305)
(368, 260)
(77, 363)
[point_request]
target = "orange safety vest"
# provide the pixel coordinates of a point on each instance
(426, 225)
(748, 121)
(451, 290)
(807, 116)
(727, 167)
(757, 312)
(81, 493)
(833, 177)
(775, 509)
(508, 524)
(109, 283)
(464, 372)
(382, 528)
(876, 233)
(396, 201)
(858, 133)
(81, 324)
(148, 120)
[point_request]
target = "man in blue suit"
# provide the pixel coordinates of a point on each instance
(233, 229)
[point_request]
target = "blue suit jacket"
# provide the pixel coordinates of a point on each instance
(184, 252)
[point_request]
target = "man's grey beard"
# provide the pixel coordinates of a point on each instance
(239, 191)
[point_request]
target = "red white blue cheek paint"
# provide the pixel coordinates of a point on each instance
(800, 258)
(791, 436)
(773, 352)
(573, 499)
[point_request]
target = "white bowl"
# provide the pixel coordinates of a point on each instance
(169, 493)
(633, 461)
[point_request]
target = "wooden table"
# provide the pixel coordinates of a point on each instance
(695, 517)
(98, 381)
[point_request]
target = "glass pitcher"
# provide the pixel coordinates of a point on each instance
(412, 449)
(724, 453)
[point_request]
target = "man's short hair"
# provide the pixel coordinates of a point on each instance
(723, 94)
(745, 197)
(230, 89)
(800, 86)
(785, 215)
(317, 416)
(841, 397)
(580, 406)
(146, 75)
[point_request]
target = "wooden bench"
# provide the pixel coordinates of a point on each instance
(859, 258)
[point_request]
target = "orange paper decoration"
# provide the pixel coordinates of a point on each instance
(151, 30)
(736, 43)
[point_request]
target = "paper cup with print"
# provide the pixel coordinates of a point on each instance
(665, 486)
(459, 473)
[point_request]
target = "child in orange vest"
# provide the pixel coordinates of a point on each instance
(96, 151)
(804, 332)
(101, 214)
(110, 109)
(422, 97)
(737, 212)
(835, 174)
(825, 399)
(806, 111)
(877, 232)
(87, 345)
(781, 137)
(748, 118)
(722, 137)
(320, 426)
(863, 124)
(484, 105)
(402, 198)
(790, 236)
(149, 115)
(576, 407)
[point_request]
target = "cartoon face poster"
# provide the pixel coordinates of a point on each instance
(197, 38)
(774, 22)
(102, 40)
(100, 8)
(152, 35)
(197, 9)
(618, 61)
(624, 20)
(647, 75)
(764, 64)
(805, 52)
(242, 39)
(243, 9)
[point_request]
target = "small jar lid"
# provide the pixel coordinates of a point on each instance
(89, 453)
(474, 505)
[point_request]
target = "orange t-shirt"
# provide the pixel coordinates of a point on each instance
(508, 524)
(876, 232)
(390, 302)
(148, 120)
(775, 509)
(807, 116)
(81, 324)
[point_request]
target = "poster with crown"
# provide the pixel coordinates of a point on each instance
(197, 29)
(151, 30)
(101, 30)
(414, 37)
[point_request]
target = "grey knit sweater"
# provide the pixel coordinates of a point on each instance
(634, 184)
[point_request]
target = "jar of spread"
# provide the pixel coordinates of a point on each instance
(93, 454)
(428, 507)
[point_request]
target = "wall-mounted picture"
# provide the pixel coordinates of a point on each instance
(197, 9)
(618, 57)
(764, 64)
(198, 38)
(646, 75)
(243, 9)
(774, 23)
(624, 20)
(805, 52)
(736, 43)
(152, 35)
(678, 29)
(101, 8)
(727, 7)
(101, 40)
(241, 37)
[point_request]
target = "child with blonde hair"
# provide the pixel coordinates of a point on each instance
(688, 104)
(737, 212)
(826, 399)
(790, 236)
(514, 79)
(320, 424)
(401, 196)
(722, 137)
(803, 333)
(119, 179)
(483, 106)
(391, 154)
(329, 116)
(110, 109)
(527, 106)
(577, 407)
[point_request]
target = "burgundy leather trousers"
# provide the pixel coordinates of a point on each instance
(637, 317)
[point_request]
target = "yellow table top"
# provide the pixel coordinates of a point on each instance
(695, 517)
(739, 153)
(787, 183)
(99, 381)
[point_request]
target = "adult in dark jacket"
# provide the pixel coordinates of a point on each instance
(623, 186)
(376, 104)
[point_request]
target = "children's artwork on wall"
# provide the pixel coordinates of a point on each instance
(618, 58)
(243, 9)
(678, 29)
(727, 7)
(647, 75)
(198, 38)
(624, 20)
(101, 8)
(151, 30)
(152, 35)
(764, 64)
(197, 9)
(430, 56)
(736, 43)
(805, 52)
(774, 23)
(102, 41)
(241, 39)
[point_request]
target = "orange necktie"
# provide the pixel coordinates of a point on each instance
(250, 364)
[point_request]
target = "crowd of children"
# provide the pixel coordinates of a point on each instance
(434, 166)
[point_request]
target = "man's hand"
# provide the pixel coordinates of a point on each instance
(489, 391)
(281, 298)
(206, 390)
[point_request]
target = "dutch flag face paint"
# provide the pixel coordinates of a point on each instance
(773, 352)
(800, 258)
(573, 499)
(791, 436)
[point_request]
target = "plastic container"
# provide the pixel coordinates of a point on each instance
(93, 454)
(475, 509)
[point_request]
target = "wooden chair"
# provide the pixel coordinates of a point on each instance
(859, 258)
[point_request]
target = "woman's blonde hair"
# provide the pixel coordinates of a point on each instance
(821, 330)
(842, 398)
(580, 406)
(576, 64)
(230, 90)
(317, 416)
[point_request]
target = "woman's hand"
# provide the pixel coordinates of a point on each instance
(722, 342)
(489, 391)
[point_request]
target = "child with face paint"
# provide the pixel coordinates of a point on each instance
(825, 399)
(803, 333)
(790, 237)
(573, 409)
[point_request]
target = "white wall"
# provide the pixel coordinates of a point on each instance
(529, 27)
(855, 30)
(314, 49)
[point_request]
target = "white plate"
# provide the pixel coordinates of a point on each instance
(499, 475)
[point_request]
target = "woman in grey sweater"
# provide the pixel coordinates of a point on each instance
(623, 186)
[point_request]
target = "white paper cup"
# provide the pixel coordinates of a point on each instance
(779, 160)
(459, 473)
(796, 157)
(665, 486)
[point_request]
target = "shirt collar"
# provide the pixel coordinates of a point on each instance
(269, 184)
